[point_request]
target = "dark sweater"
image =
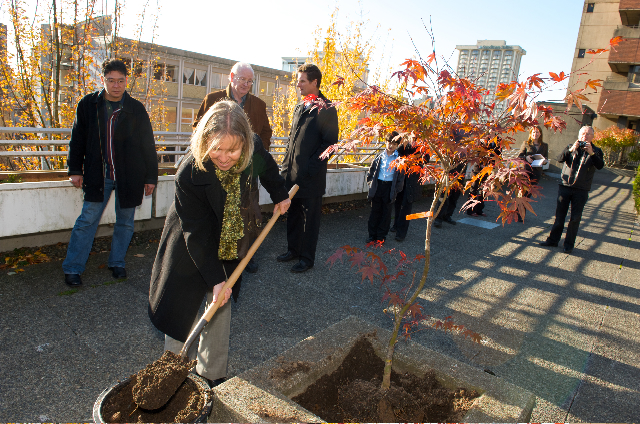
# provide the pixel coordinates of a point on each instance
(579, 167)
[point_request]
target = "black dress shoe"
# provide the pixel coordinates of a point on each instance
(437, 223)
(286, 257)
(118, 272)
(392, 229)
(567, 249)
(252, 266)
(73, 280)
(448, 220)
(214, 383)
(301, 266)
(369, 240)
(398, 238)
(548, 243)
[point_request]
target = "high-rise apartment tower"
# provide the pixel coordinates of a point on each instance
(490, 63)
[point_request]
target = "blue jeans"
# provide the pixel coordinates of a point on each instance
(85, 230)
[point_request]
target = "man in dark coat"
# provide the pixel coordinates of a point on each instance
(580, 161)
(111, 149)
(314, 128)
(241, 79)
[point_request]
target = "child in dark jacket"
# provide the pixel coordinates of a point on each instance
(385, 183)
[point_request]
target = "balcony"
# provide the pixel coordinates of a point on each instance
(619, 103)
(629, 12)
(625, 54)
(615, 83)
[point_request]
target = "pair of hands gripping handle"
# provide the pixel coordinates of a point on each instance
(213, 307)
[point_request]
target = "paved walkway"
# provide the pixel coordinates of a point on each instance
(566, 327)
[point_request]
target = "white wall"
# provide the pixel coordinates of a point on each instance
(31, 208)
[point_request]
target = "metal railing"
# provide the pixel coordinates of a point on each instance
(179, 140)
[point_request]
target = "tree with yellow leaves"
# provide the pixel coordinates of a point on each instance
(341, 56)
(46, 69)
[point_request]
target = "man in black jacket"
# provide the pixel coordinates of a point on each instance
(580, 161)
(111, 149)
(314, 128)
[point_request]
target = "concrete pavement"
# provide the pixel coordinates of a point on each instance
(565, 327)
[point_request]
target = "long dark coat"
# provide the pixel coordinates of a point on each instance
(312, 132)
(135, 159)
(412, 187)
(187, 264)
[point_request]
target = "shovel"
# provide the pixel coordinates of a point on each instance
(159, 380)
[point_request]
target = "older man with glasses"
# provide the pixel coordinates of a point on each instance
(241, 80)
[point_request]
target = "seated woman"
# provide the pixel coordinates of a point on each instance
(204, 232)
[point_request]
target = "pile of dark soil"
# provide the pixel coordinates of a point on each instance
(352, 394)
(184, 406)
(158, 381)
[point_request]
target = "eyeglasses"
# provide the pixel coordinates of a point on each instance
(243, 80)
(114, 81)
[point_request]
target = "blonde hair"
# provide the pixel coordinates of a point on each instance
(224, 118)
(530, 140)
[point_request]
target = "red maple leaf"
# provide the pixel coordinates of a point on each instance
(368, 272)
(535, 80)
(357, 259)
(431, 58)
(395, 300)
(333, 258)
(339, 82)
(615, 41)
(593, 84)
(415, 310)
(598, 51)
(329, 151)
(558, 77)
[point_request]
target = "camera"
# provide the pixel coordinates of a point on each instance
(582, 144)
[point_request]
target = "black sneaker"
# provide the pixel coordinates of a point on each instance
(252, 266)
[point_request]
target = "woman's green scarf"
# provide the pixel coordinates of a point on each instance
(232, 225)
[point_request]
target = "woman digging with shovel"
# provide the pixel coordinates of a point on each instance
(205, 235)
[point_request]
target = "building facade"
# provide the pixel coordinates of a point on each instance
(618, 101)
(489, 63)
(187, 77)
(172, 80)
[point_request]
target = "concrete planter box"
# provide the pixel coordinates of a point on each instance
(256, 397)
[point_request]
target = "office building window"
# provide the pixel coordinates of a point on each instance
(634, 76)
(193, 76)
(216, 80)
(590, 7)
(165, 72)
(581, 52)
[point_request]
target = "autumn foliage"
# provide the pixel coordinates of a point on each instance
(455, 127)
(45, 69)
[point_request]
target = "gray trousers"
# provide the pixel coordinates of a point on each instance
(212, 351)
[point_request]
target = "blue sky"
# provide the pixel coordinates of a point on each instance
(261, 32)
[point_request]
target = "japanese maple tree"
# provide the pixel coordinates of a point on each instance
(454, 127)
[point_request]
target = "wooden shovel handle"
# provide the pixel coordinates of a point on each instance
(213, 307)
